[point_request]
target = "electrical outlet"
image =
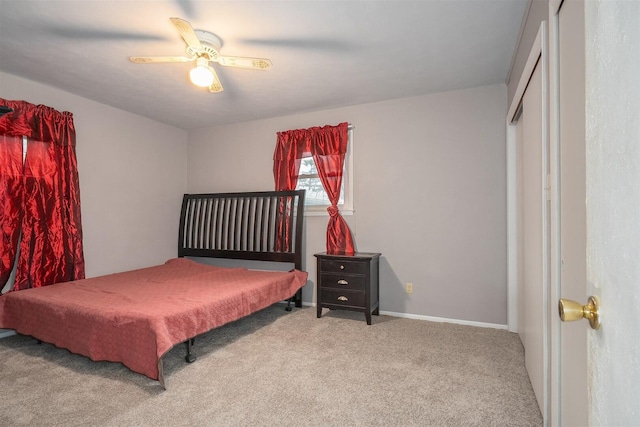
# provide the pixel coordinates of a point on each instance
(409, 288)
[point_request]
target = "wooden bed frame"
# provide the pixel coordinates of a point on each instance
(254, 226)
(243, 226)
(246, 226)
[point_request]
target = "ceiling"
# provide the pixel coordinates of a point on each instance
(325, 54)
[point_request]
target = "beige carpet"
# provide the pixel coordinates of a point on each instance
(285, 369)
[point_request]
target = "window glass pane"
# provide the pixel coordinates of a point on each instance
(307, 166)
(315, 194)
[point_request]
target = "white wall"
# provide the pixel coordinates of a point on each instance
(612, 60)
(430, 194)
(132, 177)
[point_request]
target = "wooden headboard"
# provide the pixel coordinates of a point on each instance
(259, 226)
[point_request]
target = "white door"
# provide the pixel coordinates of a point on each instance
(612, 34)
(532, 296)
(528, 168)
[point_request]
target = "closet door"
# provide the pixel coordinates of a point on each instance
(533, 211)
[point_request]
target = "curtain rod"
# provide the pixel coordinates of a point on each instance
(351, 126)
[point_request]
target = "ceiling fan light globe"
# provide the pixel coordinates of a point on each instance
(201, 76)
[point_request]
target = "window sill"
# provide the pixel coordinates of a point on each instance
(322, 211)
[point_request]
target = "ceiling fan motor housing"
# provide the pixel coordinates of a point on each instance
(211, 45)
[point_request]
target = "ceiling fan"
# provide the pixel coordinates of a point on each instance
(204, 47)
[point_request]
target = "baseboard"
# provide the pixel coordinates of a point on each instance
(433, 319)
(445, 320)
(4, 333)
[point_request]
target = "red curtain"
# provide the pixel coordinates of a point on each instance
(328, 146)
(51, 245)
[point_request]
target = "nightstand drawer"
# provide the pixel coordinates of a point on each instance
(343, 281)
(340, 297)
(342, 266)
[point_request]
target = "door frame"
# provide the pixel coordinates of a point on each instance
(554, 183)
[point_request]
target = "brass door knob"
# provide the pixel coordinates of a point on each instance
(571, 311)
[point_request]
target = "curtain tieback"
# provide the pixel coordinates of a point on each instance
(333, 210)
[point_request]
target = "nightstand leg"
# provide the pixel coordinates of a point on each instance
(319, 310)
(368, 316)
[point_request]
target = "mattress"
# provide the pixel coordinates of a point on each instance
(135, 317)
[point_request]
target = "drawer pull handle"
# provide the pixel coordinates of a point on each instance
(342, 282)
(341, 267)
(343, 298)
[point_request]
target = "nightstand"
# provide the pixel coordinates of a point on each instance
(349, 282)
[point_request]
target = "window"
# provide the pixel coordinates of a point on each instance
(12, 276)
(316, 199)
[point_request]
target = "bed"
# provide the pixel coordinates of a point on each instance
(135, 317)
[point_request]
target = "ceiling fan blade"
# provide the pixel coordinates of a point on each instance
(187, 7)
(216, 86)
(158, 59)
(242, 62)
(186, 32)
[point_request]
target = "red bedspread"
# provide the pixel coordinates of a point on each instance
(137, 316)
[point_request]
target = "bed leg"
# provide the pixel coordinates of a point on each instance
(190, 358)
(298, 298)
(295, 298)
(161, 374)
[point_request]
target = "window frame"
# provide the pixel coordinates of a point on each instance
(346, 208)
